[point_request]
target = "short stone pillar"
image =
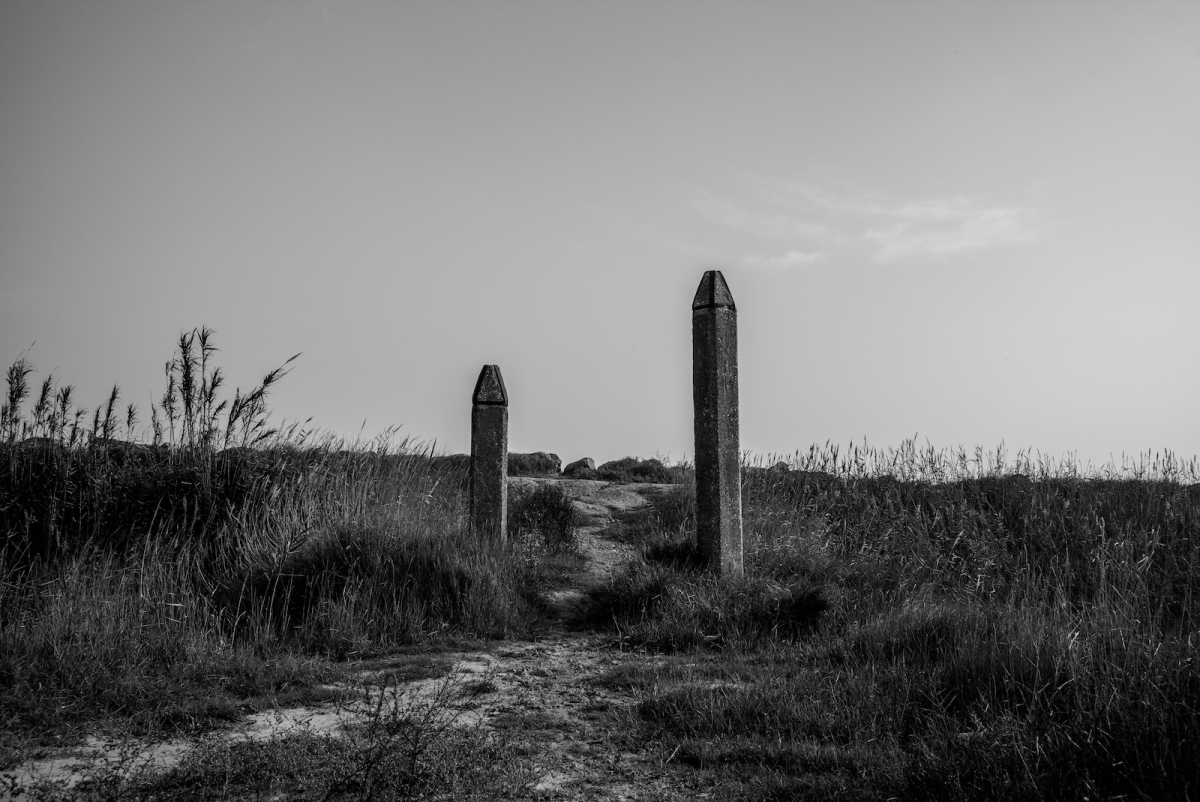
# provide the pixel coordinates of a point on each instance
(715, 399)
(489, 455)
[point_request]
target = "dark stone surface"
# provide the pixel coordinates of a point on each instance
(489, 454)
(489, 387)
(713, 292)
(715, 400)
(537, 463)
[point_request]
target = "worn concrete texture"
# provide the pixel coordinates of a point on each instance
(489, 454)
(715, 401)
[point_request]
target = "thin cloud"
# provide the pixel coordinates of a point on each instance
(780, 225)
(817, 224)
(789, 259)
(946, 229)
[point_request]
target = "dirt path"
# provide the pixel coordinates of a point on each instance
(553, 700)
(595, 503)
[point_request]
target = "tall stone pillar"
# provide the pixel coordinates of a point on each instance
(715, 399)
(489, 455)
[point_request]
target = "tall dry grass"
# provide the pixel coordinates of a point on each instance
(931, 625)
(167, 584)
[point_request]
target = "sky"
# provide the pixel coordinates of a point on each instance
(970, 223)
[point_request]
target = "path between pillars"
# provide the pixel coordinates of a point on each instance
(547, 698)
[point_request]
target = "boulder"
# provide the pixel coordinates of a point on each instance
(777, 471)
(539, 463)
(632, 469)
(581, 469)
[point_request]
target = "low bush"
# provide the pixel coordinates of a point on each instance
(544, 513)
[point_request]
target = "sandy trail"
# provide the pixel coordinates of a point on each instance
(595, 503)
(547, 698)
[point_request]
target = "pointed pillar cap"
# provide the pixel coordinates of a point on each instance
(489, 389)
(713, 292)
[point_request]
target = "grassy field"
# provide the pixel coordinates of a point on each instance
(928, 625)
(913, 624)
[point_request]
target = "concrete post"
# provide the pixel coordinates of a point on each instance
(489, 455)
(715, 399)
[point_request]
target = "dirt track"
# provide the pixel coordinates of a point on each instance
(552, 699)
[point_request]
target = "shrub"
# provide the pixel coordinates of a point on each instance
(545, 514)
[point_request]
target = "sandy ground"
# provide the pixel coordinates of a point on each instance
(548, 698)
